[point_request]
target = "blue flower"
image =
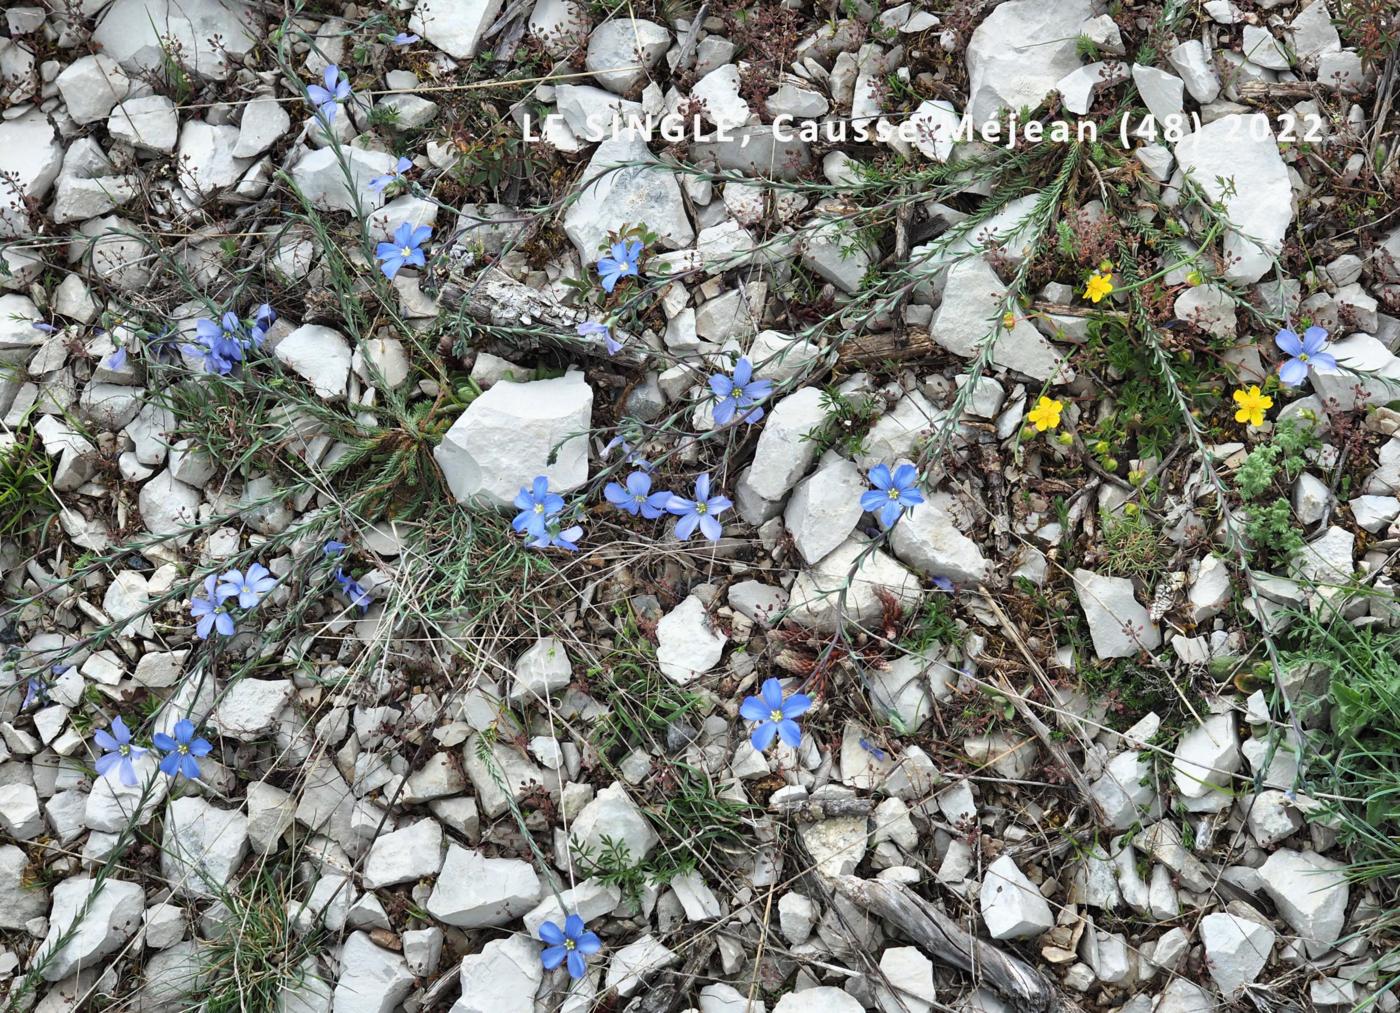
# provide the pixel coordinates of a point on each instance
(39, 325)
(404, 39)
(116, 360)
(210, 610)
(738, 393)
(703, 511)
(327, 99)
(944, 584)
(248, 588)
(571, 943)
(358, 596)
(1307, 351)
(180, 752)
(119, 752)
(591, 328)
(220, 343)
(379, 183)
(893, 493)
(263, 318)
(405, 249)
(36, 691)
(776, 717)
(537, 505)
(556, 536)
(622, 264)
(637, 497)
(333, 548)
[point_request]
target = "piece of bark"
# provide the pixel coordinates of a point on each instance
(1009, 976)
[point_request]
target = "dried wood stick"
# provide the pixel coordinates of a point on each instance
(1009, 976)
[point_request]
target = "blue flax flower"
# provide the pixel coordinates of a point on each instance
(221, 343)
(404, 39)
(703, 511)
(636, 497)
(182, 750)
(571, 943)
(327, 99)
(263, 318)
(210, 611)
(405, 249)
(117, 359)
(358, 596)
(1303, 353)
(776, 717)
(622, 264)
(119, 752)
(379, 183)
(893, 493)
(333, 548)
(739, 392)
(556, 536)
(591, 328)
(537, 505)
(247, 587)
(36, 691)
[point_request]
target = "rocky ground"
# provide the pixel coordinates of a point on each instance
(460, 556)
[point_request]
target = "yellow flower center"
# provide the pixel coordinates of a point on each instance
(406, 251)
(182, 749)
(1302, 356)
(569, 944)
(775, 716)
(893, 494)
(539, 508)
(700, 508)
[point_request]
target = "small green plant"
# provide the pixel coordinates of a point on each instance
(935, 626)
(26, 499)
(1270, 530)
(848, 420)
(1257, 471)
(1133, 545)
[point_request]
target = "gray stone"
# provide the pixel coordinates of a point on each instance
(320, 355)
(973, 298)
(475, 892)
(454, 26)
(613, 814)
(111, 918)
(1236, 950)
(618, 191)
(406, 855)
(502, 978)
(1011, 906)
(1311, 894)
(141, 34)
(927, 540)
(31, 155)
(203, 846)
(514, 432)
(91, 86)
(824, 509)
(622, 51)
(1118, 625)
(1020, 51)
(372, 979)
(845, 587)
(687, 644)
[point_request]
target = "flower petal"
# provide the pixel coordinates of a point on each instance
(789, 732)
(1292, 372)
(763, 735)
(588, 943)
(551, 933)
(752, 709)
(1314, 338)
(577, 966)
(1288, 341)
(772, 694)
(796, 705)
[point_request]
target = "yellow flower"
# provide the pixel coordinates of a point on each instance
(1099, 286)
(1252, 406)
(1008, 321)
(1046, 414)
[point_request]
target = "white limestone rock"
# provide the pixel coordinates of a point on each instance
(541, 671)
(1241, 150)
(474, 891)
(404, 856)
(91, 86)
(111, 918)
(31, 155)
(203, 846)
(1126, 791)
(1011, 906)
(927, 539)
(205, 159)
(824, 508)
(973, 296)
(836, 591)
(454, 26)
(822, 999)
(502, 978)
(264, 122)
(617, 191)
(1236, 950)
(622, 51)
(718, 93)
(509, 434)
(836, 845)
(320, 355)
(1206, 756)
(20, 901)
(613, 814)
(1020, 51)
(687, 644)
(322, 180)
(140, 34)
(635, 963)
(515, 768)
(783, 454)
(169, 507)
(372, 979)
(249, 709)
(1311, 894)
(1118, 625)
